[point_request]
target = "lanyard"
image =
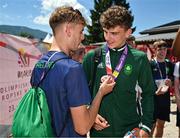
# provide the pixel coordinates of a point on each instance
(118, 66)
(159, 69)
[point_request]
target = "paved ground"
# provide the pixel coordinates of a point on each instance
(4, 131)
(170, 130)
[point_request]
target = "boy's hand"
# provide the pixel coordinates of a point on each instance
(100, 123)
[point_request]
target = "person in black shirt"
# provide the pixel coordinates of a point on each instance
(162, 70)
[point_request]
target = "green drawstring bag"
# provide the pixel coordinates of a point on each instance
(32, 117)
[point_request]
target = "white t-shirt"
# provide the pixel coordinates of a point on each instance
(176, 69)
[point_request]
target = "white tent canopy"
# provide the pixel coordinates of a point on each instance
(48, 39)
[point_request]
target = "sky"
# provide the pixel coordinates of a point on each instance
(35, 13)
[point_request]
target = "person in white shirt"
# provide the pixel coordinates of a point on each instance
(177, 92)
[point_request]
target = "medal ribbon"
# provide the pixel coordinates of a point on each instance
(159, 69)
(118, 66)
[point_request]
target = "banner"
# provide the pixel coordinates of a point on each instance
(17, 58)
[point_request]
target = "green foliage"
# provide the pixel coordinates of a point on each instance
(95, 31)
(25, 34)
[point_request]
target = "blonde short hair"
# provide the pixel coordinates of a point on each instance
(65, 14)
(160, 43)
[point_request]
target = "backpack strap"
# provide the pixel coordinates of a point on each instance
(42, 79)
(96, 60)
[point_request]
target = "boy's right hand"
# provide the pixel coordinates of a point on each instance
(100, 123)
(107, 85)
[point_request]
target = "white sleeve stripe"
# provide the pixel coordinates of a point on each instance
(176, 70)
(144, 126)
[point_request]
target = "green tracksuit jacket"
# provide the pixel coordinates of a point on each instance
(119, 108)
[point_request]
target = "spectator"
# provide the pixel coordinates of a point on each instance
(177, 92)
(162, 71)
(78, 54)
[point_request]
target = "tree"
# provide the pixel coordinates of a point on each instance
(25, 34)
(95, 31)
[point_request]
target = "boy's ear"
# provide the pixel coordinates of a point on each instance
(128, 32)
(68, 29)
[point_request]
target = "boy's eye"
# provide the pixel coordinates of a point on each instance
(114, 33)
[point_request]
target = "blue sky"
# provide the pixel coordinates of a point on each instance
(35, 13)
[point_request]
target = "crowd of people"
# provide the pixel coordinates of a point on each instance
(127, 95)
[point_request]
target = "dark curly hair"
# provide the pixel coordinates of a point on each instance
(116, 16)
